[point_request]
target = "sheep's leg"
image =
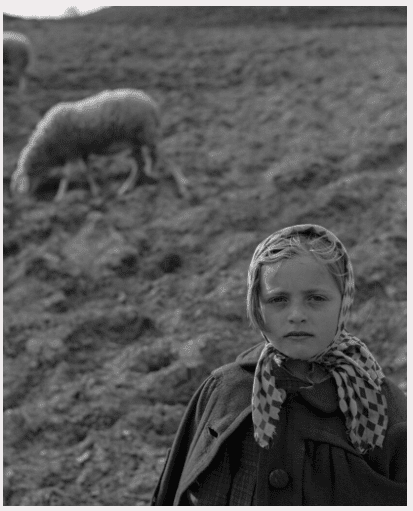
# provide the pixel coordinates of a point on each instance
(64, 182)
(68, 170)
(148, 164)
(150, 156)
(131, 180)
(180, 180)
(94, 188)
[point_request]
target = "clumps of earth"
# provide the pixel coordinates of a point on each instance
(116, 308)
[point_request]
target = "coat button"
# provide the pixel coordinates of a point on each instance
(278, 478)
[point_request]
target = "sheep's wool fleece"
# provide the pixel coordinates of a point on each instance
(357, 374)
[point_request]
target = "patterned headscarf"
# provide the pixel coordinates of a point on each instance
(357, 374)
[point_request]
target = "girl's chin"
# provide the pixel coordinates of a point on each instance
(298, 352)
(300, 356)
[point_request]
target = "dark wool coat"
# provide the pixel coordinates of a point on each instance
(311, 446)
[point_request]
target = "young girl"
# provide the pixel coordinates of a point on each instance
(305, 417)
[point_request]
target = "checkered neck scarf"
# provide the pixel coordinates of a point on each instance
(357, 374)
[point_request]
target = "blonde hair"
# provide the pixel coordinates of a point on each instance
(275, 248)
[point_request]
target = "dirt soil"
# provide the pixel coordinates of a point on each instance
(116, 308)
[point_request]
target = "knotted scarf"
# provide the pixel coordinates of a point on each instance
(357, 374)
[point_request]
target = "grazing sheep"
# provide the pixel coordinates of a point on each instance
(122, 122)
(17, 56)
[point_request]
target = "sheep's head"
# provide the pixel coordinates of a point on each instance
(42, 184)
(20, 183)
(23, 184)
(150, 168)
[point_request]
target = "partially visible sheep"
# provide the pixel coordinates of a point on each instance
(124, 121)
(17, 57)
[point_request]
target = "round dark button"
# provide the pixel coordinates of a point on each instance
(278, 478)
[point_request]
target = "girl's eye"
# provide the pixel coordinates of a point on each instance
(317, 298)
(277, 299)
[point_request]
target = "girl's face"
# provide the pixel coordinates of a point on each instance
(300, 305)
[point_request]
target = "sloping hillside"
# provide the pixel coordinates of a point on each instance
(116, 308)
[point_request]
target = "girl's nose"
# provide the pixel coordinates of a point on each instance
(296, 314)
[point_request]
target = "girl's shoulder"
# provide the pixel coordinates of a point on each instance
(396, 401)
(229, 383)
(242, 368)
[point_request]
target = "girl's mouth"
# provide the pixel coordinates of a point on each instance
(299, 335)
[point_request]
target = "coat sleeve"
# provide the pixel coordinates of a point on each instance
(188, 431)
(391, 460)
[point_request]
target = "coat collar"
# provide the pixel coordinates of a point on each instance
(317, 389)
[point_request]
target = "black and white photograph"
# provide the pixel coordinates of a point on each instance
(204, 255)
